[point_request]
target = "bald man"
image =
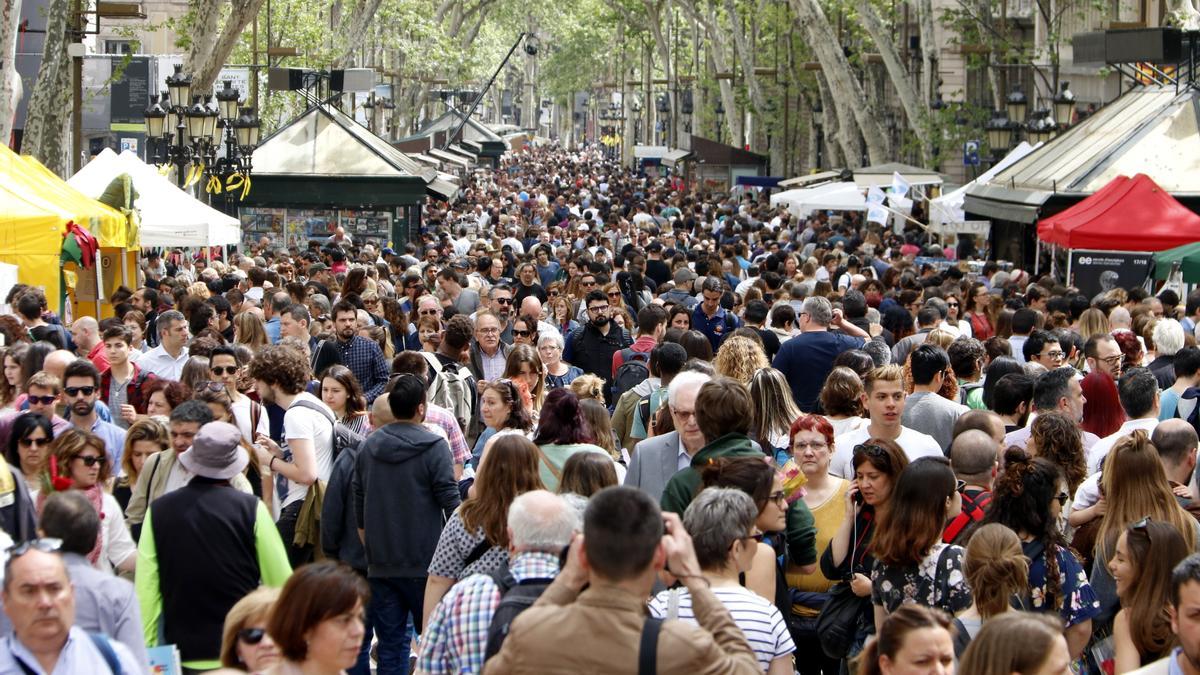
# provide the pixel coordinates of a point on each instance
(1176, 442)
(85, 333)
(57, 361)
(973, 458)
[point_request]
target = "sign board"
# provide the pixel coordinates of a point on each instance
(110, 265)
(971, 153)
(239, 79)
(130, 94)
(978, 228)
(1094, 272)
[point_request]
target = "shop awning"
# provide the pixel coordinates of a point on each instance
(880, 175)
(650, 151)
(828, 197)
(675, 155)
(812, 179)
(1188, 257)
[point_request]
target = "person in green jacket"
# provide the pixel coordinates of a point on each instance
(723, 413)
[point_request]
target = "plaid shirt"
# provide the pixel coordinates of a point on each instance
(445, 420)
(455, 640)
(364, 358)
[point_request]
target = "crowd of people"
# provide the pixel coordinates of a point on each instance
(597, 421)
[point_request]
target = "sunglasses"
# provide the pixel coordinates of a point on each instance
(504, 301)
(553, 294)
(210, 386)
(224, 370)
(614, 294)
(45, 545)
(75, 391)
(522, 333)
(43, 400)
(35, 442)
(251, 636)
(92, 461)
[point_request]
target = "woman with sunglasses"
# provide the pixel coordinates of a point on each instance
(1028, 498)
(913, 564)
(1143, 557)
(245, 644)
(723, 523)
(954, 316)
(1135, 486)
(28, 444)
(849, 558)
(788, 532)
(78, 461)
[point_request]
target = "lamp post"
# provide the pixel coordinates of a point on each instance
(190, 137)
(999, 134)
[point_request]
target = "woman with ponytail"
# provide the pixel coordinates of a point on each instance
(912, 639)
(996, 571)
(1028, 498)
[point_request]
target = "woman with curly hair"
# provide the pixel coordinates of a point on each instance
(475, 538)
(1027, 498)
(1056, 437)
(1143, 557)
(1131, 349)
(163, 396)
(739, 358)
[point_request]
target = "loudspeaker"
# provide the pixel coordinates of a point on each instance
(352, 79)
(285, 79)
(685, 106)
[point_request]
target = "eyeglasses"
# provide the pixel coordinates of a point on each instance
(487, 331)
(598, 308)
(90, 460)
(683, 414)
(224, 370)
(503, 301)
(43, 400)
(251, 636)
(34, 442)
(521, 333)
(210, 386)
(778, 497)
(428, 312)
(1054, 355)
(1062, 498)
(587, 284)
(1112, 360)
(75, 391)
(44, 544)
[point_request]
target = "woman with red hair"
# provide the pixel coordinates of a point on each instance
(1102, 412)
(1132, 352)
(811, 443)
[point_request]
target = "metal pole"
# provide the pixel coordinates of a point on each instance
(77, 88)
(479, 99)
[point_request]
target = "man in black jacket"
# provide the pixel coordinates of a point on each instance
(591, 346)
(404, 489)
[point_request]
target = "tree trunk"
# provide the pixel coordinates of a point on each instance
(840, 127)
(353, 27)
(843, 84)
(47, 126)
(719, 52)
(929, 51)
(915, 107)
(206, 31)
(745, 56)
(205, 72)
(10, 79)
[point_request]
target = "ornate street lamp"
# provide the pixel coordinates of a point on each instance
(1064, 106)
(999, 133)
(1017, 105)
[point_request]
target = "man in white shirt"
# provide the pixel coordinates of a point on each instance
(280, 377)
(249, 416)
(1138, 389)
(884, 400)
(166, 360)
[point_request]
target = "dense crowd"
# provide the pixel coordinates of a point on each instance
(592, 420)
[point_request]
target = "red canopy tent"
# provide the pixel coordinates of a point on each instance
(1128, 214)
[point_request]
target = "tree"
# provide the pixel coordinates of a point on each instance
(10, 79)
(47, 133)
(915, 107)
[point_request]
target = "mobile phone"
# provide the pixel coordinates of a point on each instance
(858, 498)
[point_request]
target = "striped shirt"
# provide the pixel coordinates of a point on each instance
(759, 620)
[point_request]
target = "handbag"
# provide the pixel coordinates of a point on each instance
(837, 624)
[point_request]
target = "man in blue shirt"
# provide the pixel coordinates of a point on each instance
(547, 269)
(709, 317)
(362, 356)
(279, 303)
(805, 360)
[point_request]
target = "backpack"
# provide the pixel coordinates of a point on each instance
(974, 508)
(515, 597)
(965, 391)
(452, 388)
(342, 437)
(634, 370)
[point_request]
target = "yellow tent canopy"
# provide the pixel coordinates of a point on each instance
(35, 207)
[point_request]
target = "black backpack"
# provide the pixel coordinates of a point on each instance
(514, 598)
(634, 370)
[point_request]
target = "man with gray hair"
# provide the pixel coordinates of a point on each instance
(470, 622)
(658, 458)
(166, 360)
(805, 360)
(1168, 340)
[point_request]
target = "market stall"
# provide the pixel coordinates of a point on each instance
(827, 197)
(1111, 236)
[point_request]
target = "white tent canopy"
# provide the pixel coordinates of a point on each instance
(169, 216)
(948, 208)
(828, 197)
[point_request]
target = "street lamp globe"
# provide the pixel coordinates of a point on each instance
(227, 101)
(156, 120)
(180, 86)
(999, 132)
(1017, 105)
(197, 119)
(247, 127)
(1064, 106)
(210, 121)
